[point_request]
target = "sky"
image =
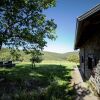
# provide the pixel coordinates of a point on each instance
(65, 14)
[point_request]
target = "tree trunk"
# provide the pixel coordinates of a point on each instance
(33, 65)
(0, 45)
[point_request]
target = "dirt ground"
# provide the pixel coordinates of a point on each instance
(81, 88)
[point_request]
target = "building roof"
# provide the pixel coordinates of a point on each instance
(82, 25)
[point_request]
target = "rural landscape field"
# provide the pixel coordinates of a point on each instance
(49, 49)
(48, 80)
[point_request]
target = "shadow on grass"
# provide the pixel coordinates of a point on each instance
(45, 82)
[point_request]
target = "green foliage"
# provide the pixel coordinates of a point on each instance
(36, 57)
(23, 24)
(5, 56)
(16, 55)
(73, 57)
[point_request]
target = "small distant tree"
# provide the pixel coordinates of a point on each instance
(73, 58)
(36, 57)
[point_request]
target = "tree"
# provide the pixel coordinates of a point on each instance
(73, 58)
(16, 56)
(23, 24)
(36, 57)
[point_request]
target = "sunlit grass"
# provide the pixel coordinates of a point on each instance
(49, 80)
(65, 63)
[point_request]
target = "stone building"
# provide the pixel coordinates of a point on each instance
(88, 41)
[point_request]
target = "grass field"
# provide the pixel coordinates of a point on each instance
(49, 80)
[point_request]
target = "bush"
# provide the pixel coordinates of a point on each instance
(73, 58)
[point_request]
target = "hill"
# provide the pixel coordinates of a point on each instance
(57, 56)
(53, 56)
(49, 56)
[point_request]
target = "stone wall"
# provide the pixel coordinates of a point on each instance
(97, 77)
(91, 49)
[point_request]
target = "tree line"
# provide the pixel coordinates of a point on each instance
(20, 55)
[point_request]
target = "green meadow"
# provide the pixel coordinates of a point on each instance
(49, 80)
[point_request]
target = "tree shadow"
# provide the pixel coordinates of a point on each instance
(45, 82)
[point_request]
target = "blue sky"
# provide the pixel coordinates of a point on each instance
(65, 14)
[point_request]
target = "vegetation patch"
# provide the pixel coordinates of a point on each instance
(44, 82)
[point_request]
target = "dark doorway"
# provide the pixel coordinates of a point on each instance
(90, 63)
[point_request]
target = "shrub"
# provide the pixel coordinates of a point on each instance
(73, 58)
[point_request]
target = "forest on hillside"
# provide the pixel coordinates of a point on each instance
(19, 55)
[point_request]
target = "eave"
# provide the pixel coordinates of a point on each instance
(80, 27)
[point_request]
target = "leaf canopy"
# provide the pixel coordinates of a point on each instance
(23, 24)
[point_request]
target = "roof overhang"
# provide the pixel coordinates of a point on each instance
(82, 24)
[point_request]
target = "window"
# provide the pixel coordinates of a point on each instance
(82, 59)
(95, 62)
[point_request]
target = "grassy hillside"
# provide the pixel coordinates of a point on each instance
(57, 56)
(71, 53)
(48, 56)
(53, 56)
